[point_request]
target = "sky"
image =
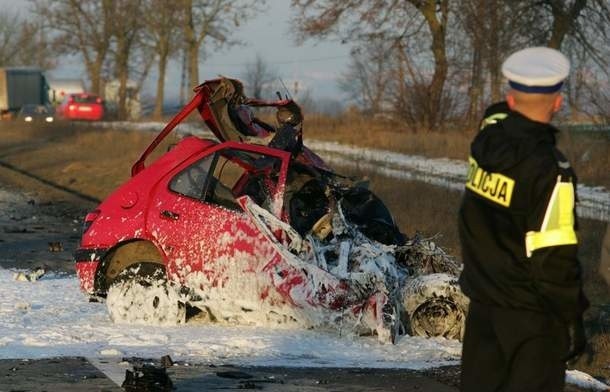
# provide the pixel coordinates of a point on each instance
(315, 65)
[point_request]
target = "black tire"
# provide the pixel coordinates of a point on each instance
(435, 306)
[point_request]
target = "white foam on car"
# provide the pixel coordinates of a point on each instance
(154, 303)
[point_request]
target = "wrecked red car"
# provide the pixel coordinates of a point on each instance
(254, 228)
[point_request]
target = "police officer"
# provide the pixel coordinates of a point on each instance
(519, 244)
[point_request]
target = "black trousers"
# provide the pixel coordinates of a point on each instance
(512, 350)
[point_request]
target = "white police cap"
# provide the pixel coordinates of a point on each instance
(536, 70)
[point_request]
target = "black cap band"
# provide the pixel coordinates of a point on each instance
(535, 89)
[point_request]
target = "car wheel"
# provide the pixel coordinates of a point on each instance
(142, 295)
(435, 306)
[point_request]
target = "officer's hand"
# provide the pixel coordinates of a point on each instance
(578, 340)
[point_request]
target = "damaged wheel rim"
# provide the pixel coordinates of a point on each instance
(440, 317)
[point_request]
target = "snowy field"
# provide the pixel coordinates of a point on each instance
(51, 317)
(594, 202)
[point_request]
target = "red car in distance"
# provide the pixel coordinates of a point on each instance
(81, 106)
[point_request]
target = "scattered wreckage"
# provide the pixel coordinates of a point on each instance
(254, 228)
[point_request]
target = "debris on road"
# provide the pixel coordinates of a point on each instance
(234, 374)
(166, 361)
(56, 246)
(147, 378)
(31, 276)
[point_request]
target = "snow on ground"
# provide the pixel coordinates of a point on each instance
(51, 317)
(594, 202)
(9, 199)
(585, 381)
(195, 128)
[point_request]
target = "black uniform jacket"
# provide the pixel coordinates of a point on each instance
(514, 169)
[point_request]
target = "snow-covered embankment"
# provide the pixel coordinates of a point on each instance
(594, 202)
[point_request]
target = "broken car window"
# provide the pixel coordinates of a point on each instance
(222, 177)
(220, 185)
(238, 173)
(190, 181)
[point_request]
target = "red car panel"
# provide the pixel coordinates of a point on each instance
(191, 204)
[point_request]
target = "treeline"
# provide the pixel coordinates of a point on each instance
(434, 62)
(122, 39)
(428, 63)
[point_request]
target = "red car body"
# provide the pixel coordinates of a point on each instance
(197, 211)
(81, 106)
(148, 208)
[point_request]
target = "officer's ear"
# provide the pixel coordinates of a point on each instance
(510, 101)
(557, 103)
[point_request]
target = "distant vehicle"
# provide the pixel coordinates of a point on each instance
(20, 86)
(81, 106)
(132, 99)
(59, 88)
(36, 113)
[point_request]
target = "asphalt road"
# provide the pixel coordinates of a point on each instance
(34, 235)
(69, 374)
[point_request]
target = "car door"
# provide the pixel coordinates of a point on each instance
(195, 219)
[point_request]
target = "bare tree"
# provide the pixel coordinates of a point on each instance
(24, 42)
(436, 13)
(581, 29)
(486, 31)
(471, 20)
(9, 37)
(410, 92)
(258, 77)
(587, 47)
(214, 21)
(564, 18)
(597, 93)
(393, 21)
(368, 76)
(82, 27)
(34, 48)
(583, 22)
(162, 29)
(496, 28)
(126, 26)
(468, 39)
